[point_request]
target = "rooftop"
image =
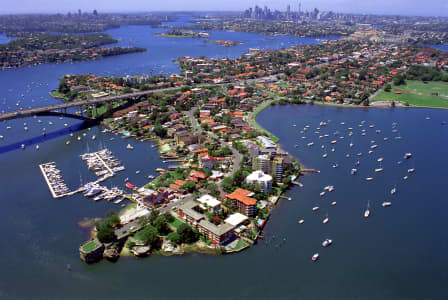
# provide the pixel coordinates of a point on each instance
(209, 201)
(236, 219)
(259, 176)
(242, 196)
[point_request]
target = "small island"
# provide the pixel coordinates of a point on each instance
(224, 43)
(184, 34)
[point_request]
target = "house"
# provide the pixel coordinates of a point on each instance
(260, 178)
(207, 161)
(209, 203)
(245, 204)
(185, 137)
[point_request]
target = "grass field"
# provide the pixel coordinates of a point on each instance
(416, 93)
(176, 223)
(253, 122)
(90, 246)
(415, 86)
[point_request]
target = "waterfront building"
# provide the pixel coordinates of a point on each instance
(266, 142)
(242, 200)
(191, 212)
(260, 178)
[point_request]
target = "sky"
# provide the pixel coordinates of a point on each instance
(401, 7)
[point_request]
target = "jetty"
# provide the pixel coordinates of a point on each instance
(54, 180)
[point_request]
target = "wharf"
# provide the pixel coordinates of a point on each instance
(47, 180)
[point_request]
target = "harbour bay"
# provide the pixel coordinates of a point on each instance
(400, 248)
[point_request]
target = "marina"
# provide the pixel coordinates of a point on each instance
(54, 180)
(102, 162)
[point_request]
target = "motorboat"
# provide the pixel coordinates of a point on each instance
(129, 147)
(333, 203)
(411, 170)
(327, 243)
(315, 257)
(353, 171)
(325, 155)
(386, 204)
(301, 221)
(393, 191)
(407, 155)
(367, 211)
(369, 178)
(315, 208)
(325, 221)
(322, 193)
(379, 169)
(379, 159)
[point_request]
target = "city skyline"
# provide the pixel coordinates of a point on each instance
(398, 7)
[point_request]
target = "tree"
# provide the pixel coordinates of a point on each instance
(161, 225)
(106, 234)
(187, 234)
(387, 88)
(174, 237)
(168, 217)
(153, 215)
(149, 235)
(190, 186)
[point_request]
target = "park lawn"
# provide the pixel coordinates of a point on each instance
(418, 86)
(90, 246)
(252, 120)
(241, 244)
(176, 223)
(413, 100)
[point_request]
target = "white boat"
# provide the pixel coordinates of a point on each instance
(407, 155)
(79, 138)
(129, 147)
(370, 152)
(325, 155)
(411, 170)
(351, 145)
(301, 221)
(93, 137)
(373, 146)
(315, 208)
(327, 243)
(367, 211)
(379, 159)
(333, 203)
(353, 171)
(386, 204)
(378, 169)
(393, 191)
(67, 142)
(405, 177)
(322, 193)
(22, 146)
(325, 221)
(369, 178)
(315, 257)
(335, 166)
(1, 136)
(333, 142)
(310, 144)
(137, 172)
(37, 147)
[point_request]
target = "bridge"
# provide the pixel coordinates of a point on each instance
(60, 109)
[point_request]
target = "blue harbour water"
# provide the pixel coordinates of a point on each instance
(397, 253)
